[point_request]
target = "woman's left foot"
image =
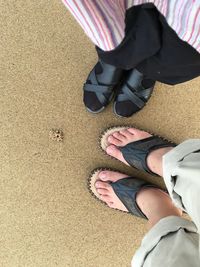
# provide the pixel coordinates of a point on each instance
(100, 86)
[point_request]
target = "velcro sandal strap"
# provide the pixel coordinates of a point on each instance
(128, 94)
(133, 90)
(98, 88)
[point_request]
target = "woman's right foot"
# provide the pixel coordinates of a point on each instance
(100, 86)
(134, 93)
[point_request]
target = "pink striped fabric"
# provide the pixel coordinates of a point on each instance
(103, 21)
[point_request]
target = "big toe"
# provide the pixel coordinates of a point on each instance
(113, 151)
(111, 176)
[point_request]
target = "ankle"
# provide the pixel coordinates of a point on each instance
(156, 205)
(155, 160)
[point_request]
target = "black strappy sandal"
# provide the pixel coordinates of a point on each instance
(126, 190)
(100, 86)
(136, 153)
(133, 94)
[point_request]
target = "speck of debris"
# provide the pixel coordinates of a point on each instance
(56, 135)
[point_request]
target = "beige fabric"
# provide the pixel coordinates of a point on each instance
(173, 241)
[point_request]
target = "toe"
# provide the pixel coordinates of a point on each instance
(119, 136)
(106, 199)
(102, 185)
(113, 140)
(107, 194)
(116, 153)
(139, 135)
(102, 191)
(113, 151)
(133, 131)
(127, 134)
(103, 175)
(111, 176)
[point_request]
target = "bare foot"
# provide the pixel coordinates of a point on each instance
(106, 191)
(124, 137)
(154, 203)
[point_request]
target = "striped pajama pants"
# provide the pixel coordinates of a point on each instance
(104, 21)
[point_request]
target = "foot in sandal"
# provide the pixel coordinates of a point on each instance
(136, 148)
(100, 86)
(129, 194)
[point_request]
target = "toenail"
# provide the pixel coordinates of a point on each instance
(97, 184)
(102, 175)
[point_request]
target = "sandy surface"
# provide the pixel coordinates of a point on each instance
(48, 218)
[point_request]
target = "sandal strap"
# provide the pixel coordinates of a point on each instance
(135, 79)
(94, 81)
(136, 153)
(111, 74)
(103, 91)
(128, 94)
(133, 90)
(126, 190)
(100, 91)
(98, 88)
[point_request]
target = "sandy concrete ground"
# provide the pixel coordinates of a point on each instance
(48, 217)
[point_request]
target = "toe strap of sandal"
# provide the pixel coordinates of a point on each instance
(136, 153)
(126, 189)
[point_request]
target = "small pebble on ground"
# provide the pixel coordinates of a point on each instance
(56, 135)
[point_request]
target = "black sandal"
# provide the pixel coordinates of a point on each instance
(133, 94)
(126, 190)
(136, 153)
(100, 86)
